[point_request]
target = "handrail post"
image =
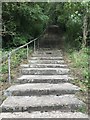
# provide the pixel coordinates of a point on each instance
(9, 67)
(34, 46)
(27, 51)
(38, 43)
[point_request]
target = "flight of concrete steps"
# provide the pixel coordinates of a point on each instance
(44, 90)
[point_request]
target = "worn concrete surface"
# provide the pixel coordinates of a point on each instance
(41, 89)
(46, 61)
(65, 103)
(36, 97)
(44, 71)
(44, 79)
(44, 66)
(46, 58)
(39, 114)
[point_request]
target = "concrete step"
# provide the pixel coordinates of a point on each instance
(41, 89)
(44, 71)
(47, 115)
(65, 103)
(43, 79)
(44, 65)
(46, 58)
(46, 61)
(48, 52)
(47, 55)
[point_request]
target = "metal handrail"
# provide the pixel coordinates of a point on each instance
(10, 53)
(23, 45)
(5, 56)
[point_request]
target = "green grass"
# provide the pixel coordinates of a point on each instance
(80, 58)
(16, 59)
(80, 62)
(0, 53)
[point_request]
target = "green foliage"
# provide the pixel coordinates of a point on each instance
(0, 53)
(4, 68)
(69, 16)
(80, 58)
(19, 40)
(22, 21)
(82, 109)
(29, 19)
(80, 61)
(16, 59)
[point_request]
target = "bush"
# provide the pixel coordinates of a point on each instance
(80, 61)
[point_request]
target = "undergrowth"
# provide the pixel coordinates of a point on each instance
(80, 64)
(78, 61)
(16, 59)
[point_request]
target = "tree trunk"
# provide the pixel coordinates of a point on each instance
(85, 32)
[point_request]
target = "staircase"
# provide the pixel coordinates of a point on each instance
(44, 90)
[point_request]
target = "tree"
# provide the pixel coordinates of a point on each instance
(86, 13)
(22, 22)
(27, 20)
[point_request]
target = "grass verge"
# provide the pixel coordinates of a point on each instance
(78, 61)
(16, 59)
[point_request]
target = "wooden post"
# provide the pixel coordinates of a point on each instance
(9, 67)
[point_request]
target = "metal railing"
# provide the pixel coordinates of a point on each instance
(13, 51)
(8, 55)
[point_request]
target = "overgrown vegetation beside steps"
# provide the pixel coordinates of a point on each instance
(16, 59)
(79, 66)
